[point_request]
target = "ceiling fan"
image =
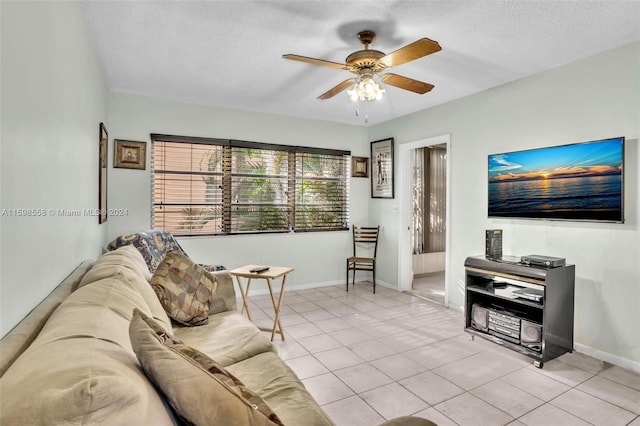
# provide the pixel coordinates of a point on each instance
(367, 62)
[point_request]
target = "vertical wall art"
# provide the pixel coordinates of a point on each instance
(129, 154)
(382, 179)
(360, 167)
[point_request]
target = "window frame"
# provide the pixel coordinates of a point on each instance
(292, 186)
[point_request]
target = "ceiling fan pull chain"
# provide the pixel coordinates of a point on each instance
(366, 112)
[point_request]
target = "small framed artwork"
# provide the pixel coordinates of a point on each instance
(360, 167)
(382, 179)
(129, 154)
(102, 173)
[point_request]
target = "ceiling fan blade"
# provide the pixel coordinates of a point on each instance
(337, 89)
(406, 83)
(315, 61)
(415, 50)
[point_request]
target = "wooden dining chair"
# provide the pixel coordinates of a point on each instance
(364, 238)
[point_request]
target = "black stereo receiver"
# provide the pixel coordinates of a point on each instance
(507, 326)
(504, 325)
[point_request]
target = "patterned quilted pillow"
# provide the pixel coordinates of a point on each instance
(185, 289)
(153, 245)
(199, 389)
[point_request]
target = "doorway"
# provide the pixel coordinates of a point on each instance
(423, 251)
(428, 221)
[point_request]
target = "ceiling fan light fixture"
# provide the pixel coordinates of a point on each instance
(367, 63)
(366, 89)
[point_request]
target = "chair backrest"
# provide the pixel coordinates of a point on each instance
(366, 235)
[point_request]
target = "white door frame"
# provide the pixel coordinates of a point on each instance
(405, 197)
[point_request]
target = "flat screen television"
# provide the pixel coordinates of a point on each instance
(582, 181)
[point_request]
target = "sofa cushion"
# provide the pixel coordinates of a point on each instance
(272, 379)
(100, 310)
(228, 338)
(225, 297)
(126, 259)
(79, 380)
(127, 262)
(199, 389)
(185, 289)
(81, 367)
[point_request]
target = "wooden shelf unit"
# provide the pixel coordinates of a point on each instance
(490, 284)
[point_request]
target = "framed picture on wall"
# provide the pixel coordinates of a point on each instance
(360, 167)
(129, 154)
(102, 174)
(382, 179)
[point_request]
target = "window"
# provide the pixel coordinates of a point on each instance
(203, 186)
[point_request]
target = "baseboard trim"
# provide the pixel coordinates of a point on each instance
(457, 308)
(608, 357)
(260, 291)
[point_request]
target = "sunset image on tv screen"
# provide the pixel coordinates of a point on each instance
(576, 182)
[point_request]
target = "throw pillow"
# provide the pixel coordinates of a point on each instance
(199, 390)
(185, 289)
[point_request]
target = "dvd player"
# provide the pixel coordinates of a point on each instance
(546, 261)
(529, 294)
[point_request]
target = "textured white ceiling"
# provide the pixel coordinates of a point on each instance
(229, 53)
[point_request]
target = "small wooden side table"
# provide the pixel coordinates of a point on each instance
(272, 273)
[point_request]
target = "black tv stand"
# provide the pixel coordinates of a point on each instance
(540, 328)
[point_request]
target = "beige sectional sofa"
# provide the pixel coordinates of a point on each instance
(71, 360)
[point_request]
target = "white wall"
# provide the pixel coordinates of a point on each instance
(597, 97)
(318, 258)
(53, 99)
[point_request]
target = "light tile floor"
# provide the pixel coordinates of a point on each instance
(430, 286)
(367, 358)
